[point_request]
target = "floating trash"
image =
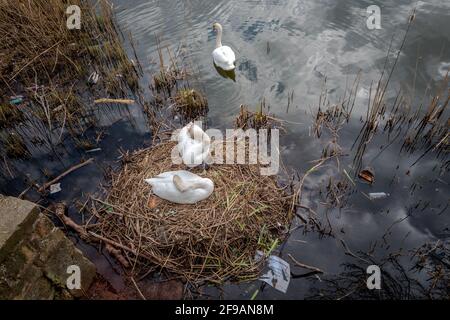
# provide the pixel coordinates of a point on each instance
(16, 100)
(378, 195)
(279, 274)
(94, 150)
(93, 78)
(367, 175)
(55, 188)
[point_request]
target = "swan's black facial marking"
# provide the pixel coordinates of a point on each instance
(216, 27)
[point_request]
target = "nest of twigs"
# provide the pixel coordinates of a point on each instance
(214, 240)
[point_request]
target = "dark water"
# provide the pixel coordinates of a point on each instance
(291, 46)
(286, 47)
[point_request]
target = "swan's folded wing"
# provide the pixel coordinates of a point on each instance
(223, 56)
(229, 53)
(179, 184)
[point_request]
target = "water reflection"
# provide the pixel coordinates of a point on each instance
(227, 74)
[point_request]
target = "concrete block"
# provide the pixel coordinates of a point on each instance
(16, 222)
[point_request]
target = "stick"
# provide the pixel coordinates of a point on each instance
(24, 192)
(65, 173)
(350, 253)
(118, 245)
(31, 61)
(106, 100)
(60, 210)
(305, 266)
(137, 289)
(117, 254)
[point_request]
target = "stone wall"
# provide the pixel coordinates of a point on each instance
(35, 255)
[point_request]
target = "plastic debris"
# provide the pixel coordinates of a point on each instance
(55, 188)
(367, 175)
(378, 195)
(15, 100)
(279, 274)
(93, 78)
(94, 150)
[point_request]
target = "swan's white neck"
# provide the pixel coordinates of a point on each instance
(199, 135)
(219, 37)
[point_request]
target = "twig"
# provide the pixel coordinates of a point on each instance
(24, 192)
(60, 210)
(137, 289)
(65, 173)
(350, 253)
(118, 245)
(31, 61)
(7, 168)
(106, 100)
(305, 266)
(117, 254)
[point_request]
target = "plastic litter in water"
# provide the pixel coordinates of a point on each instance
(367, 175)
(15, 100)
(378, 195)
(55, 188)
(94, 150)
(279, 274)
(93, 78)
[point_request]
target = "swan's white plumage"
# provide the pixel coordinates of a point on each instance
(193, 145)
(182, 187)
(223, 56)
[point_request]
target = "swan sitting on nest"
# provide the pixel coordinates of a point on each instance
(181, 187)
(193, 145)
(223, 55)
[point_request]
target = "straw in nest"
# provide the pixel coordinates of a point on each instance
(214, 240)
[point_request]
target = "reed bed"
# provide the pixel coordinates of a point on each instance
(423, 129)
(37, 45)
(9, 116)
(190, 103)
(214, 240)
(259, 119)
(170, 73)
(49, 66)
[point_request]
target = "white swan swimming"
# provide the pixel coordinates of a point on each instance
(193, 145)
(223, 56)
(182, 187)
